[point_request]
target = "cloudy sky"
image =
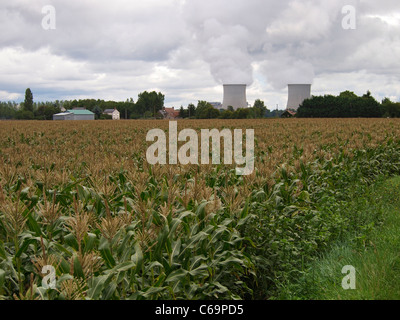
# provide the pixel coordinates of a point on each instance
(187, 49)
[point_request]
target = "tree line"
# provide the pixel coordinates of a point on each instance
(348, 105)
(205, 110)
(147, 106)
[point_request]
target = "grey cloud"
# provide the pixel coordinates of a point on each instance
(193, 45)
(96, 30)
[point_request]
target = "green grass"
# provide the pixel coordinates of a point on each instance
(376, 259)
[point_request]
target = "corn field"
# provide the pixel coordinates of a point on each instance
(80, 197)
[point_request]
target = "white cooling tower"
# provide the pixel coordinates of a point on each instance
(297, 94)
(235, 96)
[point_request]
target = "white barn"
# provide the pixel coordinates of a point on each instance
(114, 113)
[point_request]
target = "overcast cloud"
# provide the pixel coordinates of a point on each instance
(188, 48)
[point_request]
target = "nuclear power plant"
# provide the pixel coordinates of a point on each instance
(297, 94)
(235, 96)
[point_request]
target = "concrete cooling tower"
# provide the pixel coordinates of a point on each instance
(297, 94)
(235, 96)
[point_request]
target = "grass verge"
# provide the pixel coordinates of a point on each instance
(376, 258)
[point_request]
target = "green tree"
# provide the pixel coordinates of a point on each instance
(46, 112)
(127, 109)
(206, 111)
(97, 111)
(28, 103)
(348, 94)
(134, 116)
(24, 115)
(390, 109)
(386, 101)
(182, 113)
(200, 110)
(242, 114)
(367, 95)
(346, 105)
(259, 109)
(7, 110)
(226, 114)
(149, 101)
(191, 110)
(210, 113)
(148, 115)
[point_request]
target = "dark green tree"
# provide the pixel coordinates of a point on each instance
(182, 113)
(201, 109)
(148, 115)
(346, 105)
(390, 109)
(367, 95)
(210, 113)
(7, 110)
(206, 111)
(97, 111)
(24, 115)
(348, 94)
(46, 112)
(242, 114)
(259, 109)
(28, 103)
(274, 113)
(191, 110)
(149, 101)
(226, 114)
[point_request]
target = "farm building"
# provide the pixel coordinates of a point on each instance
(82, 114)
(75, 114)
(170, 113)
(63, 116)
(288, 114)
(114, 113)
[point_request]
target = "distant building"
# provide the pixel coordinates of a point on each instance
(170, 113)
(114, 113)
(75, 114)
(82, 114)
(288, 114)
(63, 116)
